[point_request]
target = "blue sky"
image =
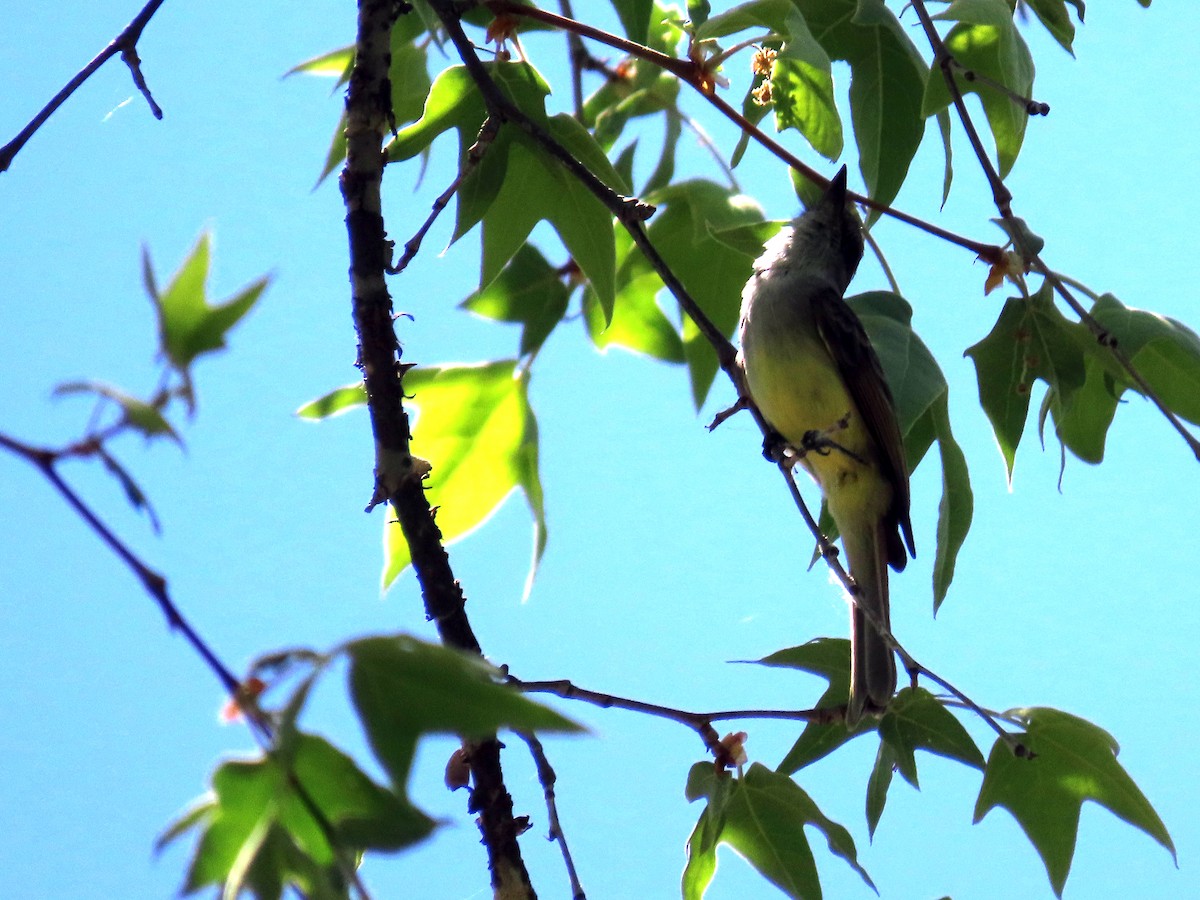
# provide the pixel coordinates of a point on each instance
(672, 551)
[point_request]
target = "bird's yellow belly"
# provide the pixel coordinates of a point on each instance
(799, 391)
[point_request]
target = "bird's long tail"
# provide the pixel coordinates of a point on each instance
(872, 663)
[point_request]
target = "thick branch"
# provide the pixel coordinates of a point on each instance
(398, 476)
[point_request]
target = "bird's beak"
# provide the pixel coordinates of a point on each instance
(835, 194)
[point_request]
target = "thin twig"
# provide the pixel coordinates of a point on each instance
(578, 54)
(1028, 104)
(547, 779)
(46, 461)
(487, 134)
(124, 44)
(700, 722)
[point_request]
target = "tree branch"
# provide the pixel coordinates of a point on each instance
(398, 475)
(46, 461)
(124, 44)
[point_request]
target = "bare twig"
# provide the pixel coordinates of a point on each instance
(46, 461)
(579, 55)
(547, 779)
(124, 44)
(1032, 107)
(487, 134)
(700, 722)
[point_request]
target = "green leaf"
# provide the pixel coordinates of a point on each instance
(536, 187)
(188, 326)
(922, 409)
(645, 90)
(1082, 420)
(133, 492)
(878, 784)
(335, 402)
(142, 417)
(701, 850)
(915, 720)
(642, 88)
(830, 659)
(1073, 761)
(664, 171)
(957, 506)
(477, 429)
(691, 215)
(986, 41)
(403, 688)
(943, 120)
(635, 321)
(635, 18)
(762, 816)
(888, 75)
(258, 831)
(409, 77)
(530, 292)
(1164, 350)
(334, 64)
(801, 82)
(1054, 16)
(801, 79)
(1031, 340)
(454, 102)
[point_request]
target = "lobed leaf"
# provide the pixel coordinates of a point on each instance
(1074, 761)
(477, 429)
(188, 326)
(986, 41)
(1031, 340)
(830, 659)
(403, 688)
(762, 816)
(258, 832)
(529, 292)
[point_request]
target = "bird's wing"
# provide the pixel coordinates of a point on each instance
(856, 360)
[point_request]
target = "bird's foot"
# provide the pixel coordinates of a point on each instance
(776, 449)
(821, 443)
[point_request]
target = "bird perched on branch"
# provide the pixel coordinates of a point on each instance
(815, 377)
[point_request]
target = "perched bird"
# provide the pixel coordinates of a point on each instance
(813, 374)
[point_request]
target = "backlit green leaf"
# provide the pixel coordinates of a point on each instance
(403, 688)
(187, 325)
(986, 41)
(763, 817)
(1073, 761)
(530, 292)
(830, 659)
(691, 215)
(476, 428)
(1031, 340)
